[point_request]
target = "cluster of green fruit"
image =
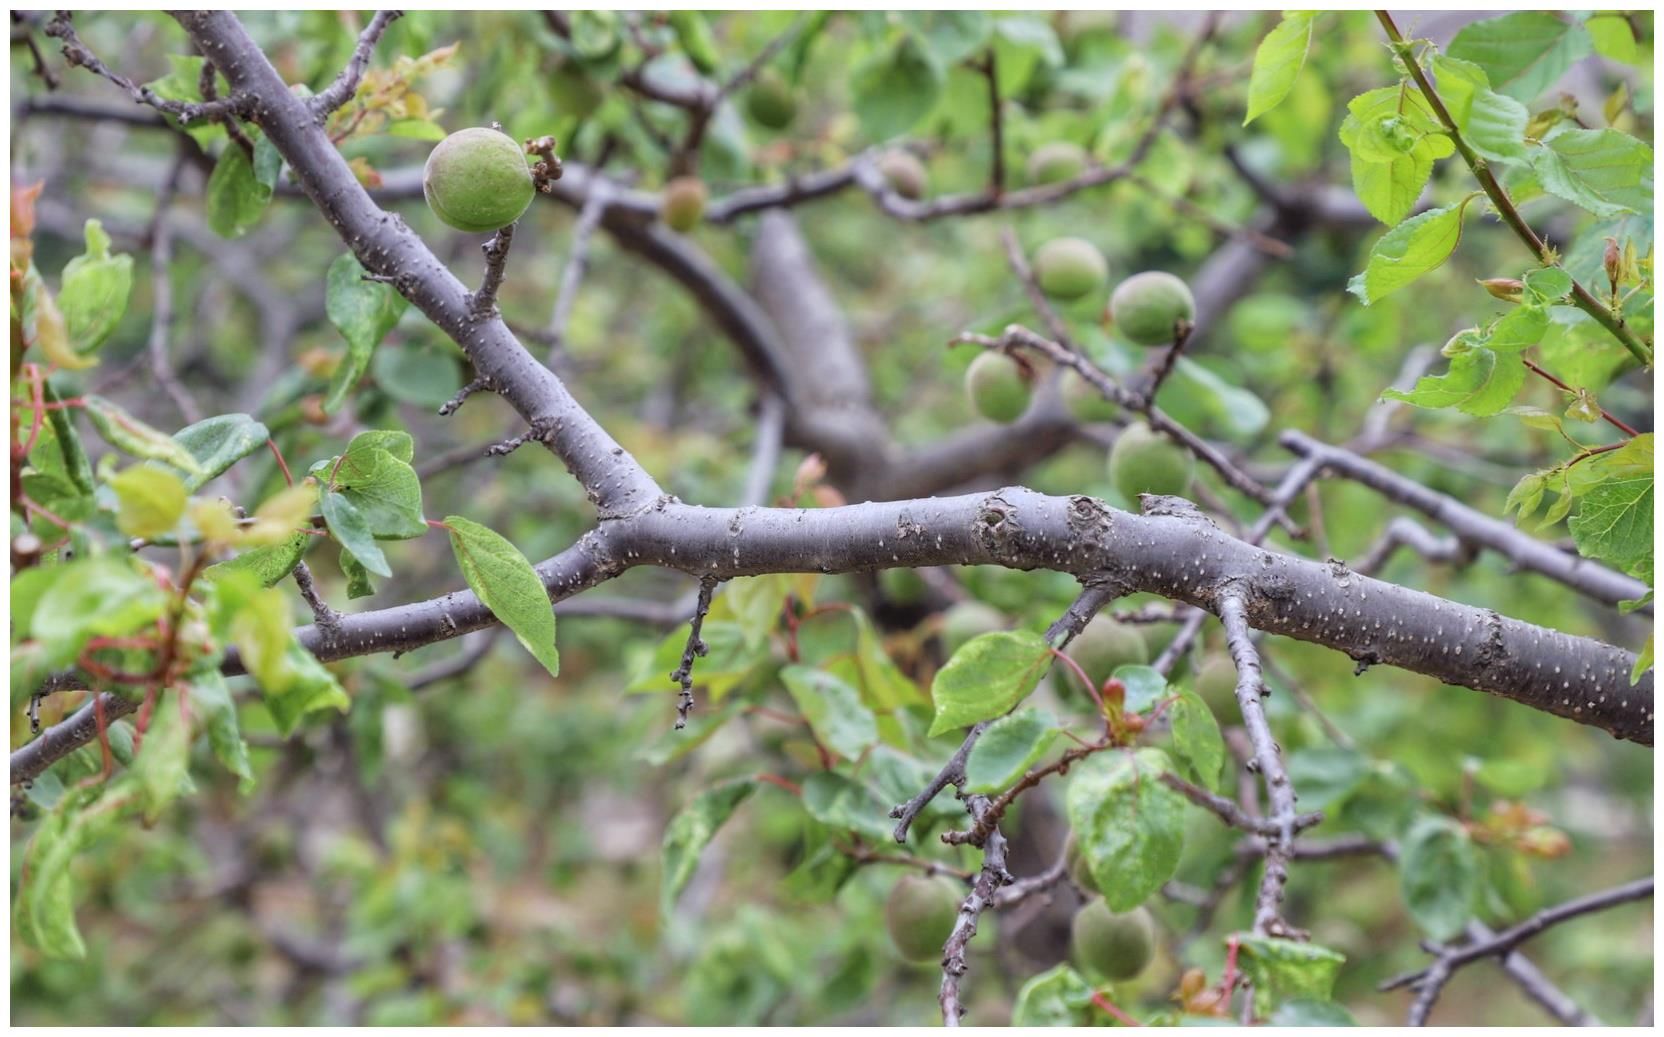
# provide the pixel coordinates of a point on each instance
(1105, 946)
(1147, 308)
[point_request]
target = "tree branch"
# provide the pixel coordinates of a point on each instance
(345, 85)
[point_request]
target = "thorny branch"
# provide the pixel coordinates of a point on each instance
(345, 85)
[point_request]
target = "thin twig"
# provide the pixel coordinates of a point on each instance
(346, 83)
(683, 674)
(577, 263)
(482, 304)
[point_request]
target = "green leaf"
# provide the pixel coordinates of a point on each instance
(1523, 53)
(43, 910)
(1008, 748)
(267, 564)
(986, 677)
(1439, 874)
(693, 34)
(757, 601)
(94, 291)
(1606, 172)
(508, 585)
(132, 436)
(1613, 38)
(417, 373)
(1492, 123)
(846, 805)
(1643, 662)
(1301, 1011)
(1285, 970)
(398, 442)
(1056, 997)
(348, 525)
(1277, 63)
(896, 88)
(358, 578)
(212, 702)
(105, 596)
(1128, 824)
(1393, 139)
(383, 487)
(1613, 523)
(160, 766)
(363, 312)
(235, 197)
(1326, 775)
(1022, 45)
(308, 688)
(952, 36)
(1548, 283)
(1519, 329)
(219, 442)
(1145, 685)
(1417, 246)
(883, 686)
(690, 831)
(1197, 742)
(59, 433)
(1479, 382)
(833, 709)
(151, 501)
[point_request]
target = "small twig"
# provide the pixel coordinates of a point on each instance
(1232, 814)
(161, 320)
(47, 76)
(1022, 889)
(683, 674)
(1165, 363)
(1018, 262)
(345, 85)
(990, 878)
(765, 451)
(451, 405)
(986, 820)
(577, 263)
(1429, 982)
(996, 121)
(1606, 415)
(77, 54)
(1267, 761)
(482, 305)
(537, 433)
(1404, 531)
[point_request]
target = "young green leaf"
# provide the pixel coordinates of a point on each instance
(1277, 63)
(1287, 970)
(1145, 687)
(235, 196)
(986, 677)
(163, 758)
(94, 290)
(690, 831)
(1128, 824)
(1439, 872)
(267, 564)
(833, 709)
(1394, 140)
(508, 585)
(383, 487)
(1056, 997)
(1614, 522)
(895, 88)
(1493, 124)
(211, 701)
(846, 805)
(132, 436)
(349, 526)
(1008, 748)
(1197, 743)
(104, 596)
(1523, 53)
(151, 501)
(358, 578)
(1415, 247)
(1479, 382)
(1606, 172)
(363, 312)
(219, 442)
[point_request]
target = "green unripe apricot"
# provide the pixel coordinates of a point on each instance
(770, 100)
(1085, 402)
(998, 387)
(904, 173)
(1147, 307)
(920, 915)
(1068, 268)
(684, 203)
(1111, 946)
(968, 619)
(1056, 162)
(1216, 684)
(1144, 461)
(1101, 648)
(477, 180)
